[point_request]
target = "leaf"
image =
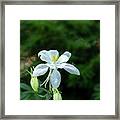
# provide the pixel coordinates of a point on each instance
(48, 96)
(25, 86)
(26, 94)
(28, 97)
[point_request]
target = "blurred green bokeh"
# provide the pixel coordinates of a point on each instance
(80, 37)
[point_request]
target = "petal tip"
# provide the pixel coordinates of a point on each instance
(78, 73)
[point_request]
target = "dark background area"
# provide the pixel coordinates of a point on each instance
(80, 37)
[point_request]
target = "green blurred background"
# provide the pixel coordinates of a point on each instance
(80, 37)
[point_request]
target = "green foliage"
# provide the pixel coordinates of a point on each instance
(80, 37)
(27, 93)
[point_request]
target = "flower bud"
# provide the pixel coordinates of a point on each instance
(57, 95)
(34, 83)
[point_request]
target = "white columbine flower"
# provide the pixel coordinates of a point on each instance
(53, 61)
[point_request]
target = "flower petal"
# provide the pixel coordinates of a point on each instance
(53, 54)
(55, 78)
(44, 56)
(40, 69)
(64, 57)
(70, 68)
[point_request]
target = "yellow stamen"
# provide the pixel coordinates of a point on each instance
(54, 58)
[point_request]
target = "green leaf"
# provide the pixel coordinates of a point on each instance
(48, 96)
(25, 86)
(26, 94)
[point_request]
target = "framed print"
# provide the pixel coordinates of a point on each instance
(60, 59)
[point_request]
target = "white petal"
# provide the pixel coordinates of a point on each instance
(44, 56)
(40, 69)
(61, 65)
(64, 57)
(55, 78)
(70, 68)
(53, 54)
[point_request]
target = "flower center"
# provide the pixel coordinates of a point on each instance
(54, 58)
